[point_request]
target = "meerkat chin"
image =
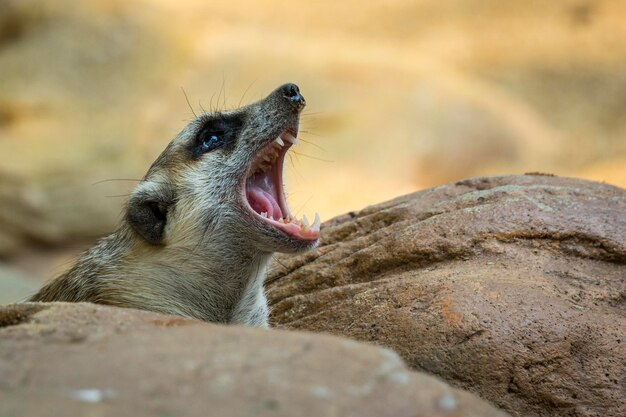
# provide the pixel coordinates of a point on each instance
(200, 228)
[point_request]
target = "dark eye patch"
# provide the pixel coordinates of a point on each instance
(216, 132)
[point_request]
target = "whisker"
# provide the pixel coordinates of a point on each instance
(304, 204)
(219, 95)
(313, 157)
(115, 196)
(188, 103)
(224, 87)
(202, 108)
(246, 91)
(129, 179)
(222, 90)
(291, 161)
(279, 262)
(299, 177)
(116, 179)
(313, 144)
(308, 132)
(211, 103)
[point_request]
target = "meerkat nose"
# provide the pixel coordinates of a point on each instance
(292, 93)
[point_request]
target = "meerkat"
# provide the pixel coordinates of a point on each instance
(200, 228)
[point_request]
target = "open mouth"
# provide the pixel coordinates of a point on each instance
(265, 194)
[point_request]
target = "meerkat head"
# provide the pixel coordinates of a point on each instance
(222, 178)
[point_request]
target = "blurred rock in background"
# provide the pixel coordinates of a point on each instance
(402, 95)
(14, 286)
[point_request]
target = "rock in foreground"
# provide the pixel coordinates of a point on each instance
(511, 287)
(82, 359)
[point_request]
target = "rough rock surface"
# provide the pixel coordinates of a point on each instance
(83, 359)
(511, 287)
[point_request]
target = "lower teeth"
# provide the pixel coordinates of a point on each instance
(303, 223)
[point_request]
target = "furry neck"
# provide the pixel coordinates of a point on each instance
(218, 280)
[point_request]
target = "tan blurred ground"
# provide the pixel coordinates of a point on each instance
(402, 95)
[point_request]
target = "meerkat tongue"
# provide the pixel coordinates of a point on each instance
(263, 196)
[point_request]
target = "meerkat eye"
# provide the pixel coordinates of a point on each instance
(216, 132)
(210, 141)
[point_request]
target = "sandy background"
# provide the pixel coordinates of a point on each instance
(402, 95)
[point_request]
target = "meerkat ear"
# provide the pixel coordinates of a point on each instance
(148, 216)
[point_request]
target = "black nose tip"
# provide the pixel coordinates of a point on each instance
(292, 93)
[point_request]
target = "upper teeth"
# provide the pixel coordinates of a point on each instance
(290, 138)
(266, 160)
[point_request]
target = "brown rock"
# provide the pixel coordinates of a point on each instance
(88, 360)
(511, 287)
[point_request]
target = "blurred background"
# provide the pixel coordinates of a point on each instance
(402, 95)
